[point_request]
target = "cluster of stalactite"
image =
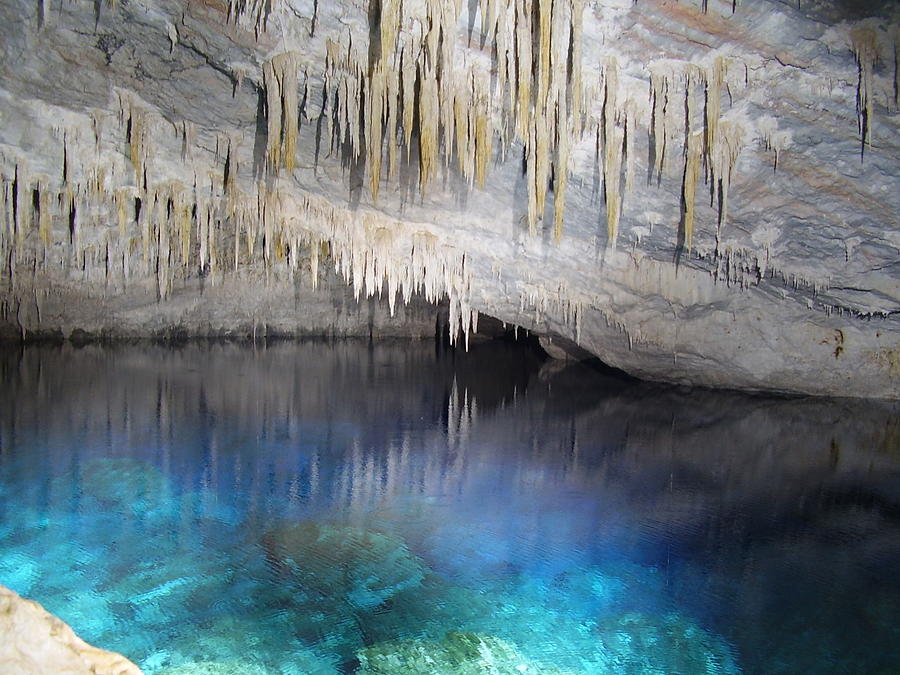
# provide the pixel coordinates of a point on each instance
(168, 230)
(410, 98)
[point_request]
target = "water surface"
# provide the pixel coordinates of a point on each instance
(351, 507)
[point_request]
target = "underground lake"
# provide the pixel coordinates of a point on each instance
(327, 507)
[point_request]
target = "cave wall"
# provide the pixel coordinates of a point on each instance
(696, 192)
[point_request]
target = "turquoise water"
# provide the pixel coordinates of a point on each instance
(396, 508)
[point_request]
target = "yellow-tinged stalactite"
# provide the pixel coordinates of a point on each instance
(433, 33)
(461, 112)
(289, 109)
(429, 107)
(864, 44)
(162, 222)
(612, 147)
(524, 75)
(136, 142)
(393, 106)
(483, 138)
(377, 101)
(659, 98)
(545, 9)
(408, 71)
(448, 117)
(390, 25)
(23, 207)
(502, 47)
(715, 78)
(577, 77)
(507, 27)
(181, 211)
(558, 105)
(280, 78)
(123, 199)
(273, 116)
(692, 157)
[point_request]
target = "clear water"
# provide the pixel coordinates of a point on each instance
(339, 508)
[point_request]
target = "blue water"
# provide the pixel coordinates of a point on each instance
(347, 507)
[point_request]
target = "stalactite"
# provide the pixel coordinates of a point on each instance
(408, 77)
(23, 207)
(461, 112)
(773, 140)
(188, 139)
(377, 102)
(181, 216)
(429, 103)
(281, 79)
(45, 215)
(137, 131)
(98, 118)
(542, 131)
(545, 8)
(612, 145)
(393, 103)
(865, 49)
(530, 178)
(524, 61)
(149, 207)
(561, 175)
(561, 93)
(390, 25)
(660, 79)
(715, 78)
(483, 136)
(163, 247)
(577, 77)
(730, 142)
(630, 115)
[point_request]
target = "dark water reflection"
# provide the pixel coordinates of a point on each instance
(158, 499)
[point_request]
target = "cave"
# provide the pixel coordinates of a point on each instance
(449, 336)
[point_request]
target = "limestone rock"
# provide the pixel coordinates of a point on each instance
(459, 653)
(363, 567)
(639, 643)
(34, 642)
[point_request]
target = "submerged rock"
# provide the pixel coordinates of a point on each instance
(302, 664)
(640, 643)
(216, 668)
(362, 567)
(124, 484)
(458, 653)
(34, 641)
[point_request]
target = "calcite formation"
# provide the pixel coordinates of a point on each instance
(34, 641)
(696, 192)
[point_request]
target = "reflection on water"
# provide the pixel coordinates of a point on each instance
(393, 508)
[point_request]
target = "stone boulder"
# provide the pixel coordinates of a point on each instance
(34, 642)
(458, 653)
(640, 643)
(365, 568)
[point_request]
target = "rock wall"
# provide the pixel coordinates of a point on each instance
(698, 192)
(33, 641)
